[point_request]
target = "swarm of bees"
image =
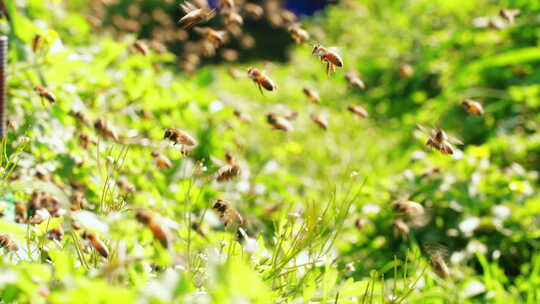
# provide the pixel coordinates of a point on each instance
(146, 218)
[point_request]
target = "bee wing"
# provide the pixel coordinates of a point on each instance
(188, 7)
(436, 250)
(454, 140)
(424, 129)
(334, 49)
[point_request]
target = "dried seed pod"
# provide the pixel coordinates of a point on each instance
(146, 218)
(96, 243)
(45, 93)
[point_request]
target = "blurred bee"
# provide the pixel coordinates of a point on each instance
(45, 93)
(105, 129)
(177, 136)
(55, 234)
(234, 73)
(140, 47)
(233, 20)
(287, 16)
(190, 62)
(261, 80)
(229, 54)
(496, 23)
(431, 171)
(408, 208)
(21, 212)
(405, 70)
(96, 243)
(194, 14)
(509, 14)
(253, 10)
(279, 122)
(320, 121)
(145, 114)
(229, 217)
(438, 254)
(81, 117)
(125, 185)
(215, 37)
(400, 228)
(36, 42)
(146, 218)
(360, 223)
(7, 242)
(85, 140)
(358, 111)
(330, 56)
(312, 95)
(473, 106)
(441, 141)
(298, 34)
(162, 161)
(78, 201)
(230, 170)
(291, 116)
(354, 80)
(243, 117)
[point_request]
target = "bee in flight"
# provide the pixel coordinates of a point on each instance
(177, 136)
(96, 243)
(146, 218)
(140, 47)
(320, 121)
(230, 218)
(45, 93)
(261, 80)
(194, 14)
(441, 141)
(214, 36)
(312, 95)
(230, 170)
(473, 106)
(509, 14)
(438, 254)
(298, 34)
(354, 80)
(328, 55)
(358, 110)
(279, 122)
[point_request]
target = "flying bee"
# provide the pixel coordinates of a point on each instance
(253, 10)
(125, 185)
(438, 254)
(146, 218)
(330, 56)
(234, 73)
(320, 121)
(227, 172)
(243, 117)
(45, 93)
(78, 201)
(81, 117)
(473, 106)
(21, 212)
(279, 122)
(354, 80)
(140, 47)
(96, 243)
(431, 171)
(177, 136)
(358, 110)
(360, 223)
(214, 36)
(7, 242)
(298, 34)
(230, 218)
(400, 228)
(162, 161)
(36, 42)
(405, 70)
(408, 208)
(56, 233)
(287, 16)
(194, 14)
(85, 140)
(261, 80)
(509, 14)
(105, 129)
(441, 141)
(312, 95)
(233, 19)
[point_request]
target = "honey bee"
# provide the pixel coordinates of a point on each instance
(400, 228)
(261, 80)
(105, 129)
(234, 73)
(36, 42)
(298, 34)
(229, 171)
(229, 54)
(45, 93)
(140, 47)
(287, 16)
(431, 171)
(145, 114)
(177, 136)
(21, 213)
(509, 14)
(358, 111)
(214, 36)
(354, 80)
(441, 141)
(312, 95)
(55, 234)
(360, 223)
(96, 243)
(86, 141)
(233, 19)
(253, 10)
(146, 218)
(162, 161)
(496, 23)
(438, 254)
(229, 217)
(81, 117)
(7, 242)
(190, 62)
(473, 106)
(405, 70)
(330, 56)
(279, 122)
(125, 185)
(194, 14)
(78, 201)
(320, 121)
(408, 208)
(243, 117)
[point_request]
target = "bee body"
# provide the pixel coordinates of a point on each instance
(178, 136)
(261, 80)
(96, 243)
(473, 107)
(45, 93)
